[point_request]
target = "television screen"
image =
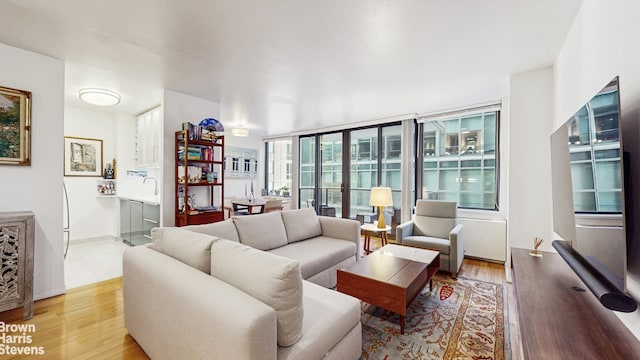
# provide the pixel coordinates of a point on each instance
(588, 188)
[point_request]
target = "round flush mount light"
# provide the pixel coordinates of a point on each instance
(240, 131)
(100, 97)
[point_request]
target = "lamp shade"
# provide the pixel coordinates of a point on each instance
(380, 196)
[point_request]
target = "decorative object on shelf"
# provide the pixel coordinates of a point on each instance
(212, 125)
(108, 172)
(240, 162)
(106, 187)
(381, 197)
(82, 156)
(15, 138)
(99, 97)
(536, 244)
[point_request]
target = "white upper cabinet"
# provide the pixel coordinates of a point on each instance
(149, 138)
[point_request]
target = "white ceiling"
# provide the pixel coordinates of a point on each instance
(284, 65)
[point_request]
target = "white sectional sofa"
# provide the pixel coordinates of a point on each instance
(236, 289)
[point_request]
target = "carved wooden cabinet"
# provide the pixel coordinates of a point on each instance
(16, 268)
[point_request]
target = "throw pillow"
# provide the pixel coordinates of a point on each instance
(301, 224)
(272, 279)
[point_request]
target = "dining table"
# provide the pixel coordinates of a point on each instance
(252, 206)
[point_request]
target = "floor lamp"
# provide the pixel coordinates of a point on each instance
(381, 197)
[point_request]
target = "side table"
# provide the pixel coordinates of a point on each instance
(373, 228)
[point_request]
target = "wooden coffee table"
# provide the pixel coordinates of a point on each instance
(391, 277)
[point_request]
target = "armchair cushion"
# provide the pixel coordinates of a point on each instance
(442, 245)
(434, 218)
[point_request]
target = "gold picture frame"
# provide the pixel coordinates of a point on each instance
(82, 156)
(15, 126)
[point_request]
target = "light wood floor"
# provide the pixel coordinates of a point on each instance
(88, 322)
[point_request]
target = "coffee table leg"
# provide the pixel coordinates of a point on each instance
(401, 324)
(431, 285)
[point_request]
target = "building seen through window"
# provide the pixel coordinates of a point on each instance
(459, 160)
(278, 161)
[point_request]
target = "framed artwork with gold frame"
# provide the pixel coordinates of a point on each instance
(82, 156)
(15, 127)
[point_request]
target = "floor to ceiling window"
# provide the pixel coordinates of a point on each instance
(307, 187)
(278, 169)
(459, 159)
(341, 186)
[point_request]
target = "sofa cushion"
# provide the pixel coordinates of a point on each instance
(272, 279)
(329, 317)
(317, 254)
(263, 231)
(189, 247)
(222, 229)
(301, 224)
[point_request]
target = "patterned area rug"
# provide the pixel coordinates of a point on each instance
(459, 319)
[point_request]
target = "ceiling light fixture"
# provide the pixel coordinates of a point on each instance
(100, 97)
(242, 132)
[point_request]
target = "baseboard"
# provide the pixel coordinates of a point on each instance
(48, 294)
(92, 239)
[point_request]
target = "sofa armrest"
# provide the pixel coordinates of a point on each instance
(175, 311)
(403, 230)
(340, 228)
(456, 254)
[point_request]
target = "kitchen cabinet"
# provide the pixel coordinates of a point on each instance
(137, 218)
(149, 138)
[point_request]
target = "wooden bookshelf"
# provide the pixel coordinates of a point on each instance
(198, 171)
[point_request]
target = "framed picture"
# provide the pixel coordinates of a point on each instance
(15, 123)
(82, 156)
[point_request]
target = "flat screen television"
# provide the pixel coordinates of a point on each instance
(588, 190)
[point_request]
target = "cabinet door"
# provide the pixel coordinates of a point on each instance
(148, 138)
(150, 219)
(125, 221)
(137, 234)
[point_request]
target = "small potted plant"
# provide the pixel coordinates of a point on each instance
(284, 191)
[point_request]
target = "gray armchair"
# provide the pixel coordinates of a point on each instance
(434, 226)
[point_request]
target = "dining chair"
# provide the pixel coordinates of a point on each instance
(273, 205)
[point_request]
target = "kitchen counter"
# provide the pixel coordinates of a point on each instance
(147, 199)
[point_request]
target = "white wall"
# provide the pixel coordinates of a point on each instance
(38, 187)
(600, 45)
(178, 108)
(91, 216)
(531, 104)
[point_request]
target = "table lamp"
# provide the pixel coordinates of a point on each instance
(381, 197)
